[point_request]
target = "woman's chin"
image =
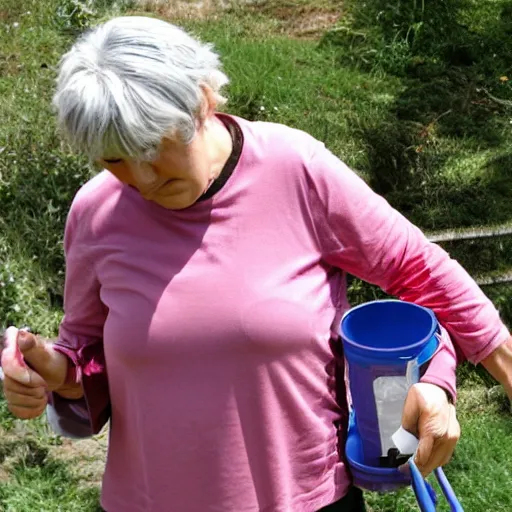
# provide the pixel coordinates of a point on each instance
(175, 201)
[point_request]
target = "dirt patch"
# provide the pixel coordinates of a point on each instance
(86, 457)
(4, 476)
(183, 10)
(9, 64)
(11, 11)
(472, 399)
(16, 447)
(295, 18)
(301, 19)
(478, 398)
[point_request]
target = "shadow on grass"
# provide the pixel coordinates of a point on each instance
(440, 151)
(32, 477)
(449, 57)
(407, 161)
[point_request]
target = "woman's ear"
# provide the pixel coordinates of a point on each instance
(208, 104)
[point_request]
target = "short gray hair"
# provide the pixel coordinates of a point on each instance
(131, 81)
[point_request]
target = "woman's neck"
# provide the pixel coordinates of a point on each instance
(219, 144)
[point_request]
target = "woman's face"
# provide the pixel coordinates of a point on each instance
(179, 174)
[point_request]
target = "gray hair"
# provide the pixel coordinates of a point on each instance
(131, 81)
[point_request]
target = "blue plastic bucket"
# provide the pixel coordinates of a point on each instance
(369, 477)
(382, 339)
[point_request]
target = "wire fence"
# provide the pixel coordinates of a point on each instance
(455, 235)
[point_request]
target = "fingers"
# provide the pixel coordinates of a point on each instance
(22, 374)
(10, 346)
(26, 413)
(27, 402)
(424, 453)
(453, 435)
(429, 416)
(13, 363)
(31, 358)
(26, 342)
(411, 412)
(24, 389)
(13, 387)
(33, 349)
(23, 401)
(435, 449)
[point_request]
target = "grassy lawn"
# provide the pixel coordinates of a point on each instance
(411, 95)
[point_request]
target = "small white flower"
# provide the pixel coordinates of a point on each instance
(262, 108)
(15, 24)
(276, 109)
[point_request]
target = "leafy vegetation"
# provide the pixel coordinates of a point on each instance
(413, 95)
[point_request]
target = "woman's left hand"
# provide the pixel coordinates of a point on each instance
(431, 417)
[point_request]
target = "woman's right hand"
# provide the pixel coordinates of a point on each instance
(32, 367)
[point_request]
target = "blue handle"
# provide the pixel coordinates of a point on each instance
(455, 506)
(425, 495)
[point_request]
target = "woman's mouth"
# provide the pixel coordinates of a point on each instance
(149, 194)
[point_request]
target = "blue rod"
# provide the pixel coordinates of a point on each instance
(455, 505)
(420, 489)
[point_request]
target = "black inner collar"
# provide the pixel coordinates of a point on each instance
(231, 163)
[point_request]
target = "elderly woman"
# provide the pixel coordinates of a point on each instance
(205, 281)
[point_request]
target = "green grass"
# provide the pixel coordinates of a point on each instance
(480, 468)
(46, 486)
(403, 94)
(478, 472)
(32, 477)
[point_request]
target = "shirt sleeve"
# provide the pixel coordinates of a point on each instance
(442, 367)
(81, 340)
(359, 232)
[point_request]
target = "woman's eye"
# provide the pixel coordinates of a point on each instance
(112, 160)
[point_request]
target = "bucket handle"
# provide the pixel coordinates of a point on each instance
(426, 496)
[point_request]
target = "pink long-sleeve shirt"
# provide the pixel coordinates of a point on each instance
(216, 323)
